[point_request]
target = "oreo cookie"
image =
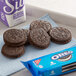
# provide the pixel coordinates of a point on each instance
(39, 38)
(65, 58)
(14, 37)
(41, 24)
(12, 52)
(60, 35)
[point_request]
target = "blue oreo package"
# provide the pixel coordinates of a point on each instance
(54, 64)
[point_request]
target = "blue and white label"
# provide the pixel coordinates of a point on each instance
(60, 55)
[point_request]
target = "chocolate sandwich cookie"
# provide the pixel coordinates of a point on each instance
(14, 45)
(39, 38)
(14, 37)
(41, 24)
(60, 35)
(65, 58)
(26, 33)
(12, 52)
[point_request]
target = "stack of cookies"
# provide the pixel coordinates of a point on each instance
(40, 34)
(14, 43)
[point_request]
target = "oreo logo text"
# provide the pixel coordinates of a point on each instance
(55, 57)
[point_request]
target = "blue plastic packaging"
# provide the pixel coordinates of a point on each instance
(54, 64)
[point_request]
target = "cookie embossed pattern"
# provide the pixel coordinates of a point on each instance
(12, 11)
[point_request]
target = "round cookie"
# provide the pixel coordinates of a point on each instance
(12, 52)
(41, 24)
(65, 58)
(14, 37)
(39, 38)
(60, 35)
